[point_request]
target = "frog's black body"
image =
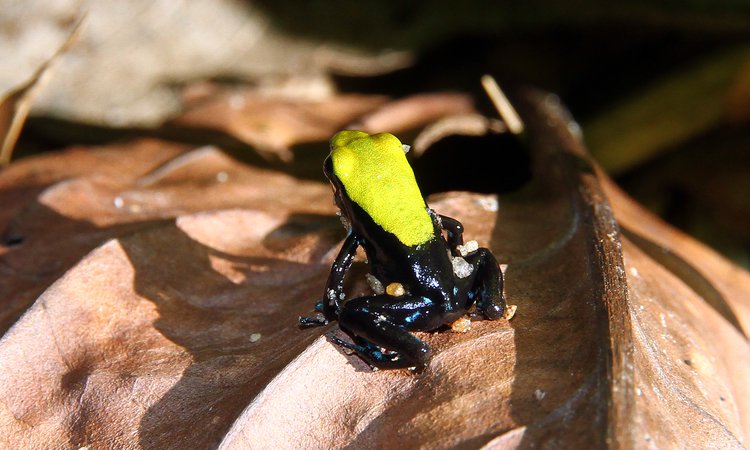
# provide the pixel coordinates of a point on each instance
(380, 324)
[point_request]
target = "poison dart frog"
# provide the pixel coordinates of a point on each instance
(418, 254)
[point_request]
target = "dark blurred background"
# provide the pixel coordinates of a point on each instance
(660, 88)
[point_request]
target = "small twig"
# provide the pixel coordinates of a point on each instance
(502, 104)
(16, 104)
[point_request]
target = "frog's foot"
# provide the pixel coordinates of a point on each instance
(326, 314)
(361, 348)
(489, 283)
(378, 339)
(318, 320)
(377, 357)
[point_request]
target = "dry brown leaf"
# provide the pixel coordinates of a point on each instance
(273, 125)
(679, 342)
(191, 322)
(415, 111)
(722, 284)
(63, 205)
(125, 76)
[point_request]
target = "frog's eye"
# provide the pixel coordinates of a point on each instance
(406, 148)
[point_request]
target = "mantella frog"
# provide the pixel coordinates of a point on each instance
(412, 250)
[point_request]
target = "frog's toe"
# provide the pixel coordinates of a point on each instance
(494, 311)
(316, 321)
(344, 344)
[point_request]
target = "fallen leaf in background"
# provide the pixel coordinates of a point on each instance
(189, 315)
(272, 126)
(415, 111)
(140, 51)
(16, 103)
(705, 193)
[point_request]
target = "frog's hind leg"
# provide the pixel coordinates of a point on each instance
(374, 355)
(488, 282)
(379, 338)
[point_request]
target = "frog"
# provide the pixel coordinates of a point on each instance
(432, 280)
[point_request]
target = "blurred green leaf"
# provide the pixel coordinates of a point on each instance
(668, 113)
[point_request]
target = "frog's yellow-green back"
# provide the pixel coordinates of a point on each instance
(378, 178)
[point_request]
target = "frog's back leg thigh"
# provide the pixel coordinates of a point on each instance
(382, 321)
(488, 283)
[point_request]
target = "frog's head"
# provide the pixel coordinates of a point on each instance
(354, 160)
(372, 172)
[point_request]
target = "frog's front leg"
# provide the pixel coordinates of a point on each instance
(334, 291)
(455, 231)
(488, 283)
(453, 228)
(380, 326)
